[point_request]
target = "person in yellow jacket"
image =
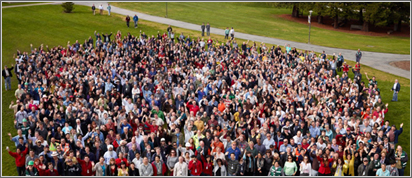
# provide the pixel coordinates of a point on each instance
(349, 162)
(197, 138)
(338, 166)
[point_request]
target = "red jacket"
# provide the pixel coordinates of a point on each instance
(20, 159)
(86, 167)
(118, 161)
(195, 168)
(193, 108)
(164, 169)
(49, 173)
(324, 169)
(208, 168)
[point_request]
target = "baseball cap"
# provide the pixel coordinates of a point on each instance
(24, 120)
(162, 139)
(31, 163)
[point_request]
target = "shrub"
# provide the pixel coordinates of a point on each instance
(68, 7)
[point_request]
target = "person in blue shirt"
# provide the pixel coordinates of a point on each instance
(16, 139)
(383, 171)
(268, 141)
(282, 148)
(233, 149)
(135, 19)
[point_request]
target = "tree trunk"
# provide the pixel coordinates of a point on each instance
(336, 21)
(365, 26)
(361, 16)
(297, 12)
(320, 19)
(397, 26)
(294, 11)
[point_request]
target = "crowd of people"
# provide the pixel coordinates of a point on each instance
(141, 105)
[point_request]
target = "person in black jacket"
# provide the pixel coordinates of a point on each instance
(6, 73)
(132, 170)
(71, 169)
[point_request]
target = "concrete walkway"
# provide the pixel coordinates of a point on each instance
(375, 60)
(37, 4)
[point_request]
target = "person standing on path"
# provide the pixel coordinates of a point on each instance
(208, 29)
(127, 21)
(135, 19)
(6, 73)
(203, 29)
(101, 9)
(94, 9)
(109, 8)
(358, 56)
(169, 30)
(227, 33)
(396, 87)
(232, 33)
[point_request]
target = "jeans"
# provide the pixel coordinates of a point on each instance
(226, 36)
(395, 96)
(21, 171)
(7, 83)
(108, 11)
(127, 23)
(401, 172)
(203, 32)
(135, 24)
(208, 32)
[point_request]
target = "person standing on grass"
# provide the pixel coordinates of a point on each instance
(94, 9)
(227, 33)
(358, 56)
(169, 30)
(340, 61)
(232, 33)
(135, 19)
(208, 29)
(127, 21)
(6, 73)
(101, 9)
(109, 8)
(20, 159)
(396, 87)
(203, 29)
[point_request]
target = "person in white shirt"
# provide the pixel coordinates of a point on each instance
(137, 161)
(180, 168)
(135, 93)
(298, 137)
(269, 141)
(305, 167)
(232, 33)
(101, 9)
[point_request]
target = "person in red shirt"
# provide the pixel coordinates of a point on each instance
(86, 164)
(158, 161)
(208, 166)
(121, 159)
(195, 167)
(345, 67)
(51, 171)
(20, 159)
(324, 169)
(192, 107)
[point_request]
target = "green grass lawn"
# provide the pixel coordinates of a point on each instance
(259, 19)
(20, 3)
(49, 26)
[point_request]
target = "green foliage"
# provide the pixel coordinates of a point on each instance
(68, 7)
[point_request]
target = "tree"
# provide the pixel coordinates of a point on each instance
(68, 7)
(319, 8)
(400, 12)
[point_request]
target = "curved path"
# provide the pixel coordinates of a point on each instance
(375, 60)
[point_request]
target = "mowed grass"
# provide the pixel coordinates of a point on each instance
(20, 3)
(49, 26)
(260, 19)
